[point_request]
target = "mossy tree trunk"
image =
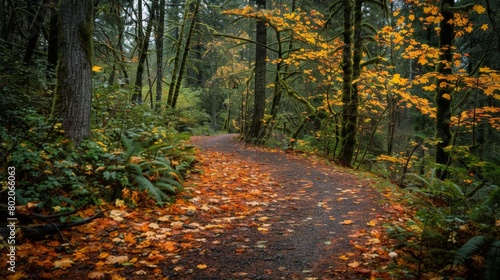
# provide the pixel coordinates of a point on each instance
(444, 91)
(160, 29)
(259, 106)
(187, 46)
(143, 52)
(74, 70)
(348, 127)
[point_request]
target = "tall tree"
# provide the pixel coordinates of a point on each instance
(349, 109)
(160, 29)
(185, 52)
(260, 77)
(74, 70)
(444, 94)
(143, 52)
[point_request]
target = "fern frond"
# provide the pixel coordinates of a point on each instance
(493, 262)
(165, 186)
(144, 184)
(470, 248)
(172, 182)
(159, 147)
(131, 148)
(135, 168)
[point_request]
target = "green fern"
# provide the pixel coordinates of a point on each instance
(172, 182)
(137, 169)
(155, 192)
(493, 262)
(471, 248)
(165, 186)
(131, 148)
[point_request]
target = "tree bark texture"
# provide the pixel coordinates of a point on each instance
(185, 53)
(260, 78)
(143, 51)
(346, 129)
(444, 91)
(74, 71)
(160, 29)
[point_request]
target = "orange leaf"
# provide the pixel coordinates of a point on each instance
(95, 275)
(347, 222)
(64, 263)
(201, 266)
(103, 255)
(354, 264)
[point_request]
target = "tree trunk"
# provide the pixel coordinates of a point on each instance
(143, 51)
(260, 78)
(74, 71)
(185, 53)
(160, 28)
(346, 129)
(443, 96)
(180, 37)
(34, 31)
(52, 50)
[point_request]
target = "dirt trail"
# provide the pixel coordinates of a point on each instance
(310, 212)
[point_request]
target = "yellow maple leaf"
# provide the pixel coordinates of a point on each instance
(484, 27)
(96, 68)
(479, 9)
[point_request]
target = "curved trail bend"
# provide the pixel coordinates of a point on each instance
(305, 221)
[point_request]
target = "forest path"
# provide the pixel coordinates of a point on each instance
(285, 217)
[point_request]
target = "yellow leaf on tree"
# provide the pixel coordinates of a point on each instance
(484, 27)
(447, 96)
(479, 9)
(96, 68)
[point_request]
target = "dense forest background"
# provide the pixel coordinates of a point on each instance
(99, 98)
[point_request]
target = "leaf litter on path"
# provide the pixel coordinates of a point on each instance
(251, 214)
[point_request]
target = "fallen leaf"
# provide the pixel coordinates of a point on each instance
(154, 226)
(201, 266)
(103, 255)
(344, 257)
(347, 222)
(354, 264)
(95, 275)
(64, 263)
(116, 259)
